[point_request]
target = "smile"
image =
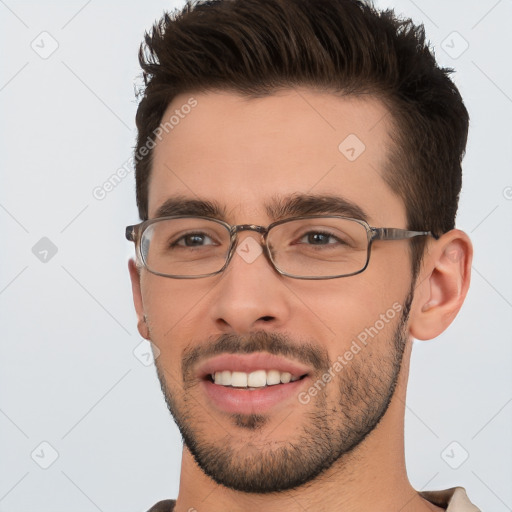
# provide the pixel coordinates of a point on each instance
(251, 383)
(253, 380)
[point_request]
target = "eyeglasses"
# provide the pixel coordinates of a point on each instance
(313, 247)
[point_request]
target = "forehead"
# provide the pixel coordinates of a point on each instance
(243, 153)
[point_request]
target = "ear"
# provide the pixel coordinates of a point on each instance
(441, 285)
(137, 299)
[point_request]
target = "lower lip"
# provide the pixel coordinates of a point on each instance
(251, 401)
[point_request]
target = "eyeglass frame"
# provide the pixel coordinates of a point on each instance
(134, 233)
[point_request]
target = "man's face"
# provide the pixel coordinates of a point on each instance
(247, 156)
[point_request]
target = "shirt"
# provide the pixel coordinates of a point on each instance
(453, 500)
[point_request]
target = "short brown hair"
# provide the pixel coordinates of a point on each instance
(257, 47)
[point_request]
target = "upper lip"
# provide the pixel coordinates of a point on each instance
(249, 363)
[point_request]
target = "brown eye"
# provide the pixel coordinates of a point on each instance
(193, 240)
(318, 238)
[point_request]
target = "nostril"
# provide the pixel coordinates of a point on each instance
(267, 318)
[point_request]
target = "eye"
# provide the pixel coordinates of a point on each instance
(319, 238)
(193, 240)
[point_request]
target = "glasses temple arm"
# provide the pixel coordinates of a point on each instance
(130, 233)
(397, 234)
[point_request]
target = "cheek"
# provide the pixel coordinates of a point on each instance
(349, 306)
(171, 307)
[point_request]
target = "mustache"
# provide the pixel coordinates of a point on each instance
(260, 341)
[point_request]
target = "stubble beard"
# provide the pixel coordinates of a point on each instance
(330, 431)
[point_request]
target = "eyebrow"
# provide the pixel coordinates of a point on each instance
(298, 205)
(181, 205)
(279, 207)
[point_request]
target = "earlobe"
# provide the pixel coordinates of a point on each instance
(443, 284)
(137, 299)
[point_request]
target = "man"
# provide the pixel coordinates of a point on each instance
(298, 172)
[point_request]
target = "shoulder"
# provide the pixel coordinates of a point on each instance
(453, 500)
(163, 506)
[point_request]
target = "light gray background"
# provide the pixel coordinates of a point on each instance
(69, 376)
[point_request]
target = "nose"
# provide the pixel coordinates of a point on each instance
(251, 294)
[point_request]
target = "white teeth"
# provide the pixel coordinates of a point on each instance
(286, 377)
(273, 377)
(226, 378)
(239, 379)
(256, 379)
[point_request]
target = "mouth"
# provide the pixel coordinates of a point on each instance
(251, 383)
(254, 380)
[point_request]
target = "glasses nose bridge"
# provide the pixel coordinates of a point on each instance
(238, 228)
(248, 227)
